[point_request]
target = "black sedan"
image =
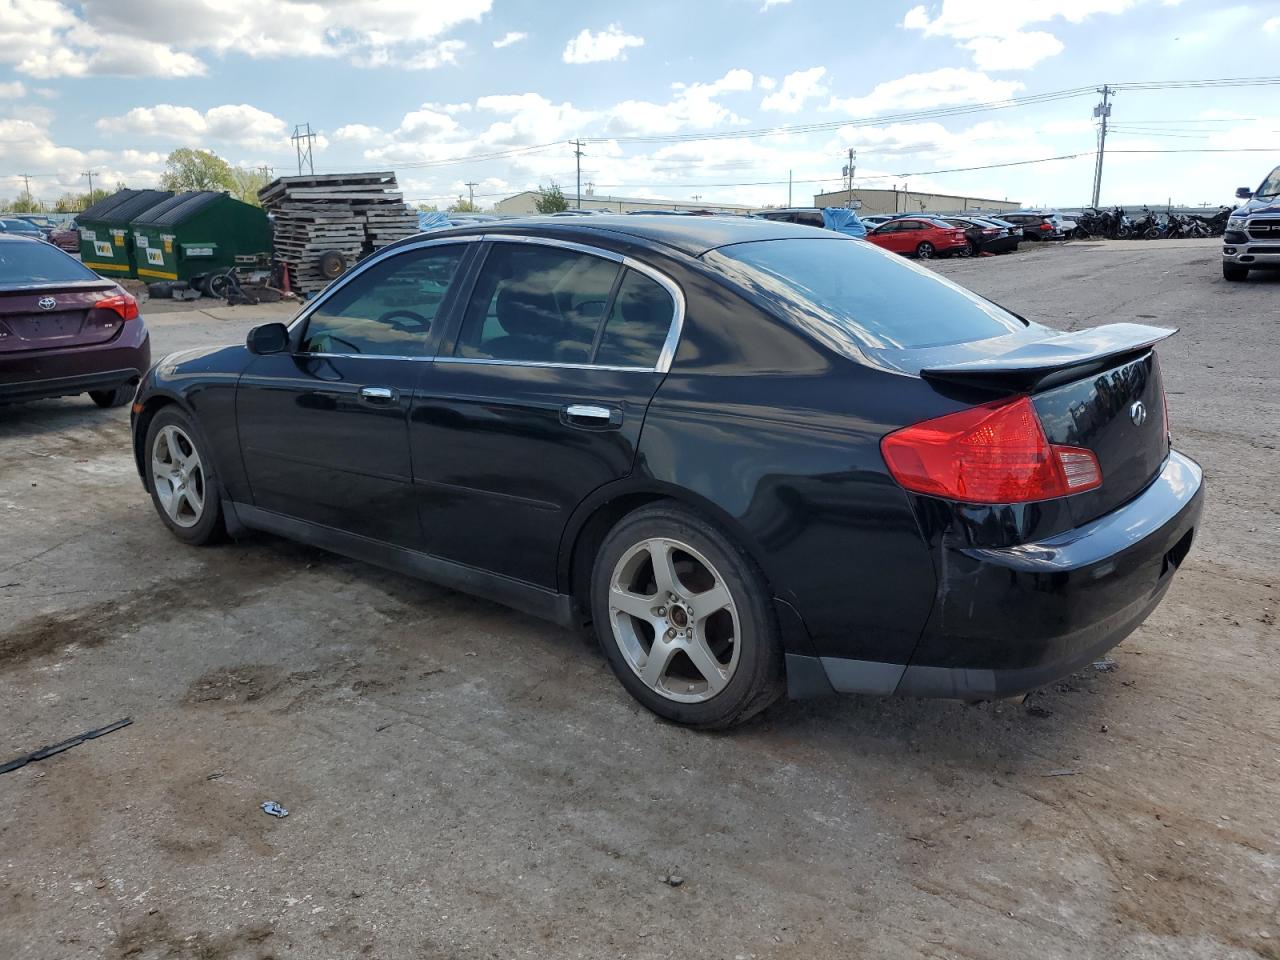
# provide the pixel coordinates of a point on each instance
(985, 236)
(753, 457)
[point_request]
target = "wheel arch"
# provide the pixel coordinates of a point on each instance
(142, 418)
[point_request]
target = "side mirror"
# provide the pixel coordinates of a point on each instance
(1244, 193)
(268, 338)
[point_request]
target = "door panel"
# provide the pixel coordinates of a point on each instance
(317, 449)
(558, 353)
(324, 429)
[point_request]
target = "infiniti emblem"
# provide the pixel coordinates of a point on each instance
(46, 303)
(1138, 413)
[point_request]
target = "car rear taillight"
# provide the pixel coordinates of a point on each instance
(1046, 227)
(122, 303)
(993, 453)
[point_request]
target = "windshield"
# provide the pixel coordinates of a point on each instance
(846, 293)
(1270, 186)
(24, 262)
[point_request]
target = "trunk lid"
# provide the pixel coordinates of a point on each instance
(1099, 389)
(56, 316)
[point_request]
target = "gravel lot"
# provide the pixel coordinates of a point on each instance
(467, 782)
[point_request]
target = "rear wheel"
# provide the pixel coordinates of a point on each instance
(113, 398)
(1231, 271)
(181, 479)
(925, 250)
(685, 619)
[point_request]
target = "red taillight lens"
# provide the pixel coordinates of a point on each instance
(994, 453)
(121, 303)
(1046, 227)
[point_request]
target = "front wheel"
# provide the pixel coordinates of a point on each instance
(925, 250)
(685, 619)
(1234, 272)
(181, 479)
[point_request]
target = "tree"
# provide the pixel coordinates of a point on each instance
(75, 202)
(463, 206)
(188, 169)
(428, 208)
(550, 199)
(25, 203)
(247, 182)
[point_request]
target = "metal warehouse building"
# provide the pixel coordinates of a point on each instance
(909, 201)
(524, 203)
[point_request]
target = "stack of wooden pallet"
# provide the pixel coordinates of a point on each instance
(352, 214)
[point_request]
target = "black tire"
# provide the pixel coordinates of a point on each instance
(1234, 272)
(332, 264)
(925, 250)
(757, 679)
(113, 398)
(209, 527)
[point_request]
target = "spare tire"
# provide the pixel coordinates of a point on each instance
(332, 264)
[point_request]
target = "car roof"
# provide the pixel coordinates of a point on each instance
(690, 235)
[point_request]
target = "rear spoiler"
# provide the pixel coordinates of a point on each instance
(1059, 359)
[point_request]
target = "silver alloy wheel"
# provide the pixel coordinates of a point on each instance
(178, 476)
(674, 620)
(925, 251)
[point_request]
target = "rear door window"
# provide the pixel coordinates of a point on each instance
(536, 303)
(638, 323)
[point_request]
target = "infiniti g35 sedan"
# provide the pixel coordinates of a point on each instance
(754, 457)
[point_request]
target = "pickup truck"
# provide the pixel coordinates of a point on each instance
(1252, 237)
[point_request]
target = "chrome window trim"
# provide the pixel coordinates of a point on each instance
(665, 356)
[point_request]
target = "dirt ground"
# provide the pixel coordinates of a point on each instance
(467, 782)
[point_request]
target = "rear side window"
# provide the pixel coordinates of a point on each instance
(386, 310)
(25, 262)
(536, 304)
(638, 323)
(850, 294)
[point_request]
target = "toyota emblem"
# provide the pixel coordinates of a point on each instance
(46, 303)
(1138, 413)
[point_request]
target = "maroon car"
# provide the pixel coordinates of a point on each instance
(65, 330)
(66, 237)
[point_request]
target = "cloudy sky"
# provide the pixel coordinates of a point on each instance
(663, 91)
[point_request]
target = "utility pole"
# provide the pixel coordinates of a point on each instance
(302, 135)
(1103, 112)
(577, 153)
(26, 179)
(788, 188)
(89, 174)
(849, 171)
(266, 171)
(471, 192)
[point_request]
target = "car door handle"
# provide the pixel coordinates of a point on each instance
(591, 415)
(377, 394)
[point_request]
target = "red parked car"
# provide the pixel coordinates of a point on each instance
(923, 237)
(65, 330)
(66, 237)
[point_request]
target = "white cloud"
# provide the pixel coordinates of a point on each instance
(507, 39)
(611, 43)
(54, 38)
(947, 86)
(1272, 25)
(240, 124)
(996, 34)
(773, 3)
(12, 91)
(796, 89)
(766, 83)
(357, 132)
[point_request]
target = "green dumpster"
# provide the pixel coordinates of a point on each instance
(106, 243)
(199, 232)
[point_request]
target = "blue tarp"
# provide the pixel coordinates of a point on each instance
(432, 220)
(843, 220)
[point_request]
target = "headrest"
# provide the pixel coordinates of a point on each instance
(528, 313)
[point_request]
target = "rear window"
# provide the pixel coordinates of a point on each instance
(846, 293)
(24, 262)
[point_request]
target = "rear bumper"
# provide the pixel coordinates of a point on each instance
(66, 372)
(1010, 620)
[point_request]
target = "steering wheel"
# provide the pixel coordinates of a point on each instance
(419, 323)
